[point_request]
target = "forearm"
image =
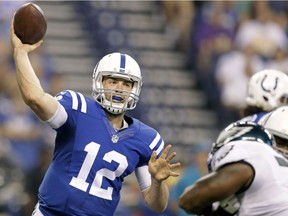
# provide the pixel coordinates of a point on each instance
(157, 196)
(28, 82)
(216, 186)
(196, 198)
(30, 87)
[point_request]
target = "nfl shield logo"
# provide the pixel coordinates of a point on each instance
(115, 138)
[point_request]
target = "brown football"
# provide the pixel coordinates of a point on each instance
(30, 24)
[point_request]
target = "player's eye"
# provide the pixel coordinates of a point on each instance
(128, 84)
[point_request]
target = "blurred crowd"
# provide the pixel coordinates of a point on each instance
(232, 40)
(225, 43)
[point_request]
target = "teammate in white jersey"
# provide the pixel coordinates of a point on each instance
(267, 90)
(97, 144)
(242, 165)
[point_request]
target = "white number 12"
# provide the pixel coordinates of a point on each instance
(96, 190)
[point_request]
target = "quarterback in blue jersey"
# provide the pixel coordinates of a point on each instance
(97, 145)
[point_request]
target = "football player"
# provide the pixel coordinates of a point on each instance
(240, 163)
(97, 145)
(267, 90)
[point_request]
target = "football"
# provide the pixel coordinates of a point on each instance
(30, 24)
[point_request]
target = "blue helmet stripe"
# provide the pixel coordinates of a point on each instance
(122, 62)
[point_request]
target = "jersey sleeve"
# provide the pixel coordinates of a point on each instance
(153, 142)
(72, 102)
(59, 118)
(229, 153)
(143, 177)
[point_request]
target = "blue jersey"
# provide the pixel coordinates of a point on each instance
(255, 117)
(91, 159)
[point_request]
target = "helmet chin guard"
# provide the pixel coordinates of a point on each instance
(113, 107)
(117, 65)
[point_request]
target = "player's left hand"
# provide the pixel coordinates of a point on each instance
(161, 168)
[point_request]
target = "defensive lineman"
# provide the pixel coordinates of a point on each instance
(242, 165)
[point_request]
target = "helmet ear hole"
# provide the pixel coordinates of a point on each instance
(265, 98)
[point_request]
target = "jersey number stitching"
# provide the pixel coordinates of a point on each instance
(79, 182)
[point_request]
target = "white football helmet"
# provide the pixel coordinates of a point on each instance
(276, 123)
(117, 65)
(267, 89)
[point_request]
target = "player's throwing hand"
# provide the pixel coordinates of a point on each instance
(16, 42)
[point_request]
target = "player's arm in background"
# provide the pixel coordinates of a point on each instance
(44, 105)
(216, 186)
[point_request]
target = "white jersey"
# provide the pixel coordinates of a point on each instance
(268, 193)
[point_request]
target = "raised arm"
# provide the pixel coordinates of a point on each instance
(156, 197)
(215, 187)
(42, 104)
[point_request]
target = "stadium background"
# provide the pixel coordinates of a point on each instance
(196, 58)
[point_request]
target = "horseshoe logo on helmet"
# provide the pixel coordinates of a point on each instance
(268, 90)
